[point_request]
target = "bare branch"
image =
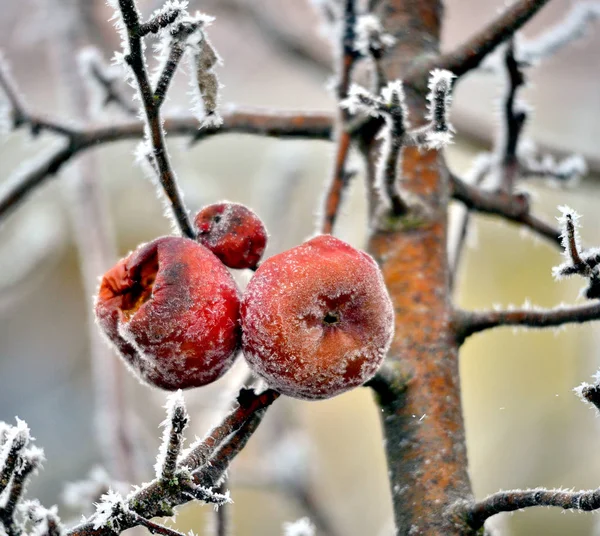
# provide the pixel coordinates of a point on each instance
(135, 59)
(293, 125)
(17, 439)
(18, 109)
(510, 501)
(470, 54)
(161, 19)
(468, 323)
(211, 475)
(102, 76)
(579, 262)
(154, 528)
(513, 208)
(160, 496)
(571, 27)
(175, 424)
(347, 58)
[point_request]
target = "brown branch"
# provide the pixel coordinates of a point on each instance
(470, 54)
(510, 501)
(340, 176)
(135, 59)
(154, 528)
(468, 323)
(513, 208)
(159, 496)
(278, 124)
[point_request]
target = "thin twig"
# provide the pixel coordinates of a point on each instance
(159, 496)
(510, 501)
(468, 323)
(154, 528)
(222, 514)
(470, 54)
(135, 59)
(340, 177)
(278, 124)
(513, 208)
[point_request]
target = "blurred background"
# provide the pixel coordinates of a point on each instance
(324, 460)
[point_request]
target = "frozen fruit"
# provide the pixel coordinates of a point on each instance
(317, 319)
(233, 233)
(172, 310)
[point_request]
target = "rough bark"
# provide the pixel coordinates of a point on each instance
(423, 427)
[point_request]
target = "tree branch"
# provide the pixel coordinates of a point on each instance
(159, 496)
(510, 501)
(340, 176)
(468, 323)
(278, 124)
(470, 54)
(135, 59)
(513, 208)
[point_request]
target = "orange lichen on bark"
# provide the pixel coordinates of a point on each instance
(424, 429)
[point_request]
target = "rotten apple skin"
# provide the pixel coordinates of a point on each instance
(172, 310)
(233, 232)
(317, 319)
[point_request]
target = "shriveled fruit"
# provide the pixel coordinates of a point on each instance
(233, 233)
(317, 319)
(172, 310)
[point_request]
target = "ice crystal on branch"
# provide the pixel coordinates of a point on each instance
(175, 424)
(579, 262)
(371, 39)
(574, 26)
(440, 99)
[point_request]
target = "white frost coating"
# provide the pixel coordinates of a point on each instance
(360, 100)
(574, 26)
(317, 319)
(440, 99)
(300, 527)
(370, 35)
(17, 437)
(111, 504)
(568, 215)
(175, 404)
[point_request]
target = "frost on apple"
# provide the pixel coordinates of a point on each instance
(233, 232)
(171, 310)
(317, 319)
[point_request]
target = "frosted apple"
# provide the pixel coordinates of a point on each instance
(233, 232)
(172, 310)
(317, 319)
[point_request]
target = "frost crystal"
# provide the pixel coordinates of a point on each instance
(110, 508)
(300, 527)
(370, 36)
(573, 27)
(174, 425)
(440, 98)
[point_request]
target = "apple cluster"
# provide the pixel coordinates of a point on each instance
(313, 322)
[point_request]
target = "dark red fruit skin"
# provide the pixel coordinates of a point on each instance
(172, 310)
(317, 319)
(233, 233)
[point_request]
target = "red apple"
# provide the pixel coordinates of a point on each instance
(317, 319)
(172, 310)
(233, 233)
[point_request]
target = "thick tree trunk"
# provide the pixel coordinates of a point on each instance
(423, 427)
